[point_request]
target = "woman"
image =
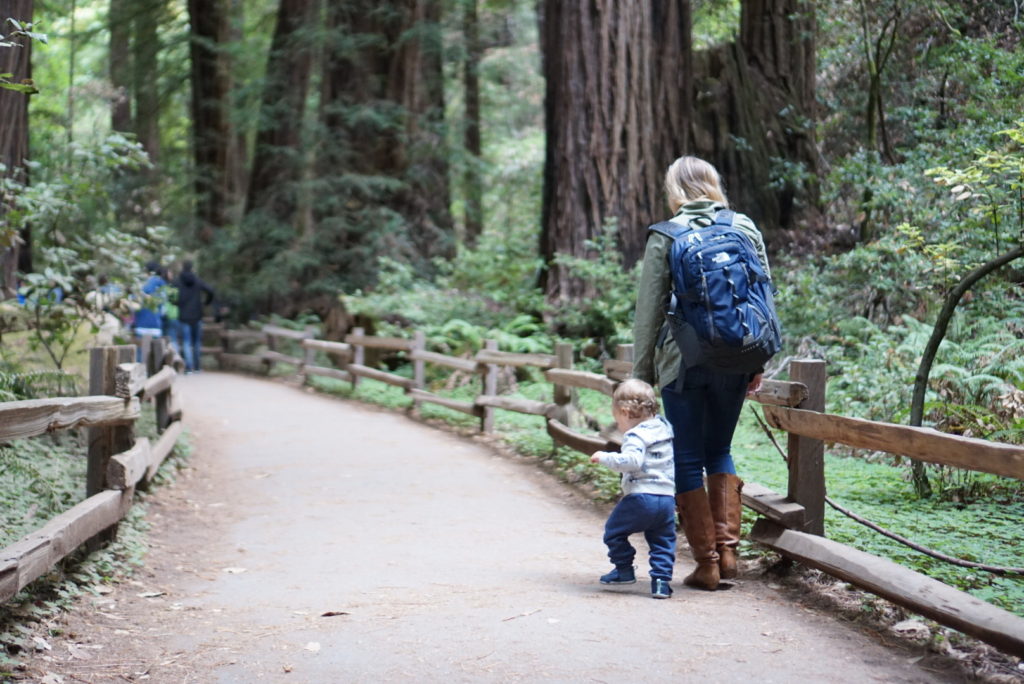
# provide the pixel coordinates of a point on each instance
(704, 409)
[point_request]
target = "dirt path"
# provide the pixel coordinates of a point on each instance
(317, 540)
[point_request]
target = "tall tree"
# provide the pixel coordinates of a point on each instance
(215, 147)
(16, 59)
(754, 119)
(145, 84)
(119, 21)
(472, 180)
(609, 139)
(278, 157)
(383, 113)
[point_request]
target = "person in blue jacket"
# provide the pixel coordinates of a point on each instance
(148, 319)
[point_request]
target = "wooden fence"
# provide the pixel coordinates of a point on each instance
(791, 523)
(117, 461)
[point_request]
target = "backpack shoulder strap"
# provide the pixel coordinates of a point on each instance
(725, 217)
(669, 229)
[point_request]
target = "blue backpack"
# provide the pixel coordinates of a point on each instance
(721, 312)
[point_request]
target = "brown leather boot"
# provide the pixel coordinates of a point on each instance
(724, 496)
(699, 528)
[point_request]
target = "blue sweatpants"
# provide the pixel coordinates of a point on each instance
(655, 516)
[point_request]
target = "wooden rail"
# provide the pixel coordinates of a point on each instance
(793, 523)
(117, 462)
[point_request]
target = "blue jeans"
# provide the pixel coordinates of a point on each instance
(703, 415)
(191, 343)
(172, 330)
(655, 516)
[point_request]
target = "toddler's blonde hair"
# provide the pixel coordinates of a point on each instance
(691, 178)
(635, 399)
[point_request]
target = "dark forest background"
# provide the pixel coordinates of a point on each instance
(490, 167)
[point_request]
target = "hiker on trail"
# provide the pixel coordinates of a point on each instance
(148, 320)
(648, 485)
(193, 295)
(172, 327)
(705, 406)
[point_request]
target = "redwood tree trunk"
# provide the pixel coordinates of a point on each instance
(755, 114)
(616, 110)
(213, 135)
(145, 48)
(120, 24)
(383, 110)
(14, 252)
(474, 147)
(277, 161)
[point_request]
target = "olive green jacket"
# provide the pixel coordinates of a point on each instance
(655, 355)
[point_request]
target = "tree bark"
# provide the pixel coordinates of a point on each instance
(278, 159)
(119, 23)
(383, 110)
(213, 135)
(145, 48)
(614, 119)
(14, 249)
(472, 181)
(755, 112)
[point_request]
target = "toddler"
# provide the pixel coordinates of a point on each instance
(648, 487)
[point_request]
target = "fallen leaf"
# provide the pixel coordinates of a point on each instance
(150, 594)
(51, 678)
(77, 651)
(287, 668)
(103, 589)
(41, 644)
(333, 613)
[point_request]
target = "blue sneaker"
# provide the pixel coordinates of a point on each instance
(622, 574)
(660, 589)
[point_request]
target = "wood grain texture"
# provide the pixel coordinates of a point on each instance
(453, 404)
(921, 594)
(924, 444)
(32, 417)
(584, 379)
(517, 404)
(500, 358)
(34, 555)
(124, 470)
(129, 379)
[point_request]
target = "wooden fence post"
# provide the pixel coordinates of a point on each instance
(624, 352)
(162, 400)
(419, 367)
(308, 354)
(563, 395)
(145, 343)
(358, 354)
(225, 347)
(807, 456)
(104, 442)
(271, 342)
(490, 381)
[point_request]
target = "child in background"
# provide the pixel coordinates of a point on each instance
(648, 486)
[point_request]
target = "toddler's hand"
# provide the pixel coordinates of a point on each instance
(596, 456)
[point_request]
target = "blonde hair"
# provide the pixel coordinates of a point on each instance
(635, 399)
(689, 179)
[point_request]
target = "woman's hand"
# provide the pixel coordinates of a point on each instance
(754, 386)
